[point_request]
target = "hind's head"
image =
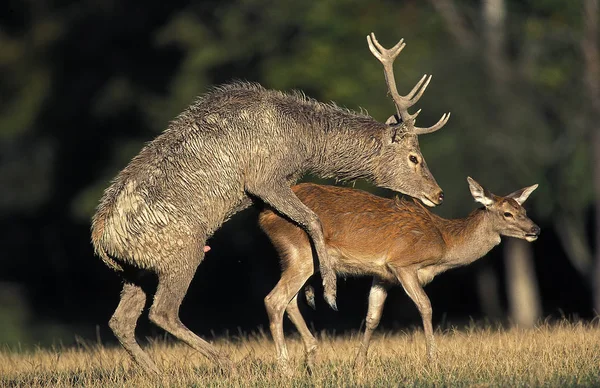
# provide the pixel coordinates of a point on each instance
(508, 216)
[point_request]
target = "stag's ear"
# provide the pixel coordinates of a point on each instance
(392, 120)
(480, 194)
(394, 130)
(521, 195)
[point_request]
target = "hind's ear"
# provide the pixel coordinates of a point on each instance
(480, 194)
(521, 195)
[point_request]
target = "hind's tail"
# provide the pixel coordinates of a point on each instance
(309, 293)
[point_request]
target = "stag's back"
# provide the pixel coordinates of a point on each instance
(186, 182)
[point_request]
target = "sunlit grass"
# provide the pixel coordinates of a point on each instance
(565, 354)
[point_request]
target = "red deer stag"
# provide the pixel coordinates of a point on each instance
(393, 240)
(238, 144)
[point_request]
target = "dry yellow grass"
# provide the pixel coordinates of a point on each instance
(551, 355)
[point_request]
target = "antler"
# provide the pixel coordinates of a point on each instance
(387, 57)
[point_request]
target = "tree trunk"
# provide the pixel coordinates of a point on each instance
(494, 14)
(596, 161)
(572, 235)
(591, 54)
(487, 291)
(455, 23)
(523, 296)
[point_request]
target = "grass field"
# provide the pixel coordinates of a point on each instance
(559, 355)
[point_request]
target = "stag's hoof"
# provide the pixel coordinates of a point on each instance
(330, 299)
(330, 290)
(147, 366)
(227, 367)
(283, 366)
(360, 362)
(432, 358)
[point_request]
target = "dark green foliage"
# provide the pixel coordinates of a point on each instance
(85, 84)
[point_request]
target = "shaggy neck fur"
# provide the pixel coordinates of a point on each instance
(349, 144)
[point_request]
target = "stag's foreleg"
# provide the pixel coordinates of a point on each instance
(410, 282)
(281, 197)
(377, 298)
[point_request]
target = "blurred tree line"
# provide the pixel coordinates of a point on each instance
(85, 83)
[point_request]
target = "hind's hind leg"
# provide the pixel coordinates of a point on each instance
(310, 342)
(173, 284)
(286, 290)
(124, 320)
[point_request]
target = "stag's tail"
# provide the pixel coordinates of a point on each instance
(107, 259)
(97, 232)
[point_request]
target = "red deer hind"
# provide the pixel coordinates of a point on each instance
(397, 241)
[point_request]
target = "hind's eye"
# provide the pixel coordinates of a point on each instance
(413, 159)
(508, 215)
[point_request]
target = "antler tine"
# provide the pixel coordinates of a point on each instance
(433, 128)
(387, 57)
(393, 52)
(414, 115)
(416, 88)
(413, 97)
(416, 98)
(374, 49)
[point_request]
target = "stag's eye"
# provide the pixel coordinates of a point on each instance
(508, 215)
(413, 159)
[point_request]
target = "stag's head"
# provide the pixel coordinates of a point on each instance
(507, 214)
(401, 166)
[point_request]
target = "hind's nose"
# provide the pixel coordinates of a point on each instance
(536, 230)
(440, 197)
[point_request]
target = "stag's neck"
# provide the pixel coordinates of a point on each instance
(468, 239)
(347, 147)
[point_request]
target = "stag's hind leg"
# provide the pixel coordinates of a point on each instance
(124, 320)
(173, 284)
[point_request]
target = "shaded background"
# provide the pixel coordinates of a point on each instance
(85, 83)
